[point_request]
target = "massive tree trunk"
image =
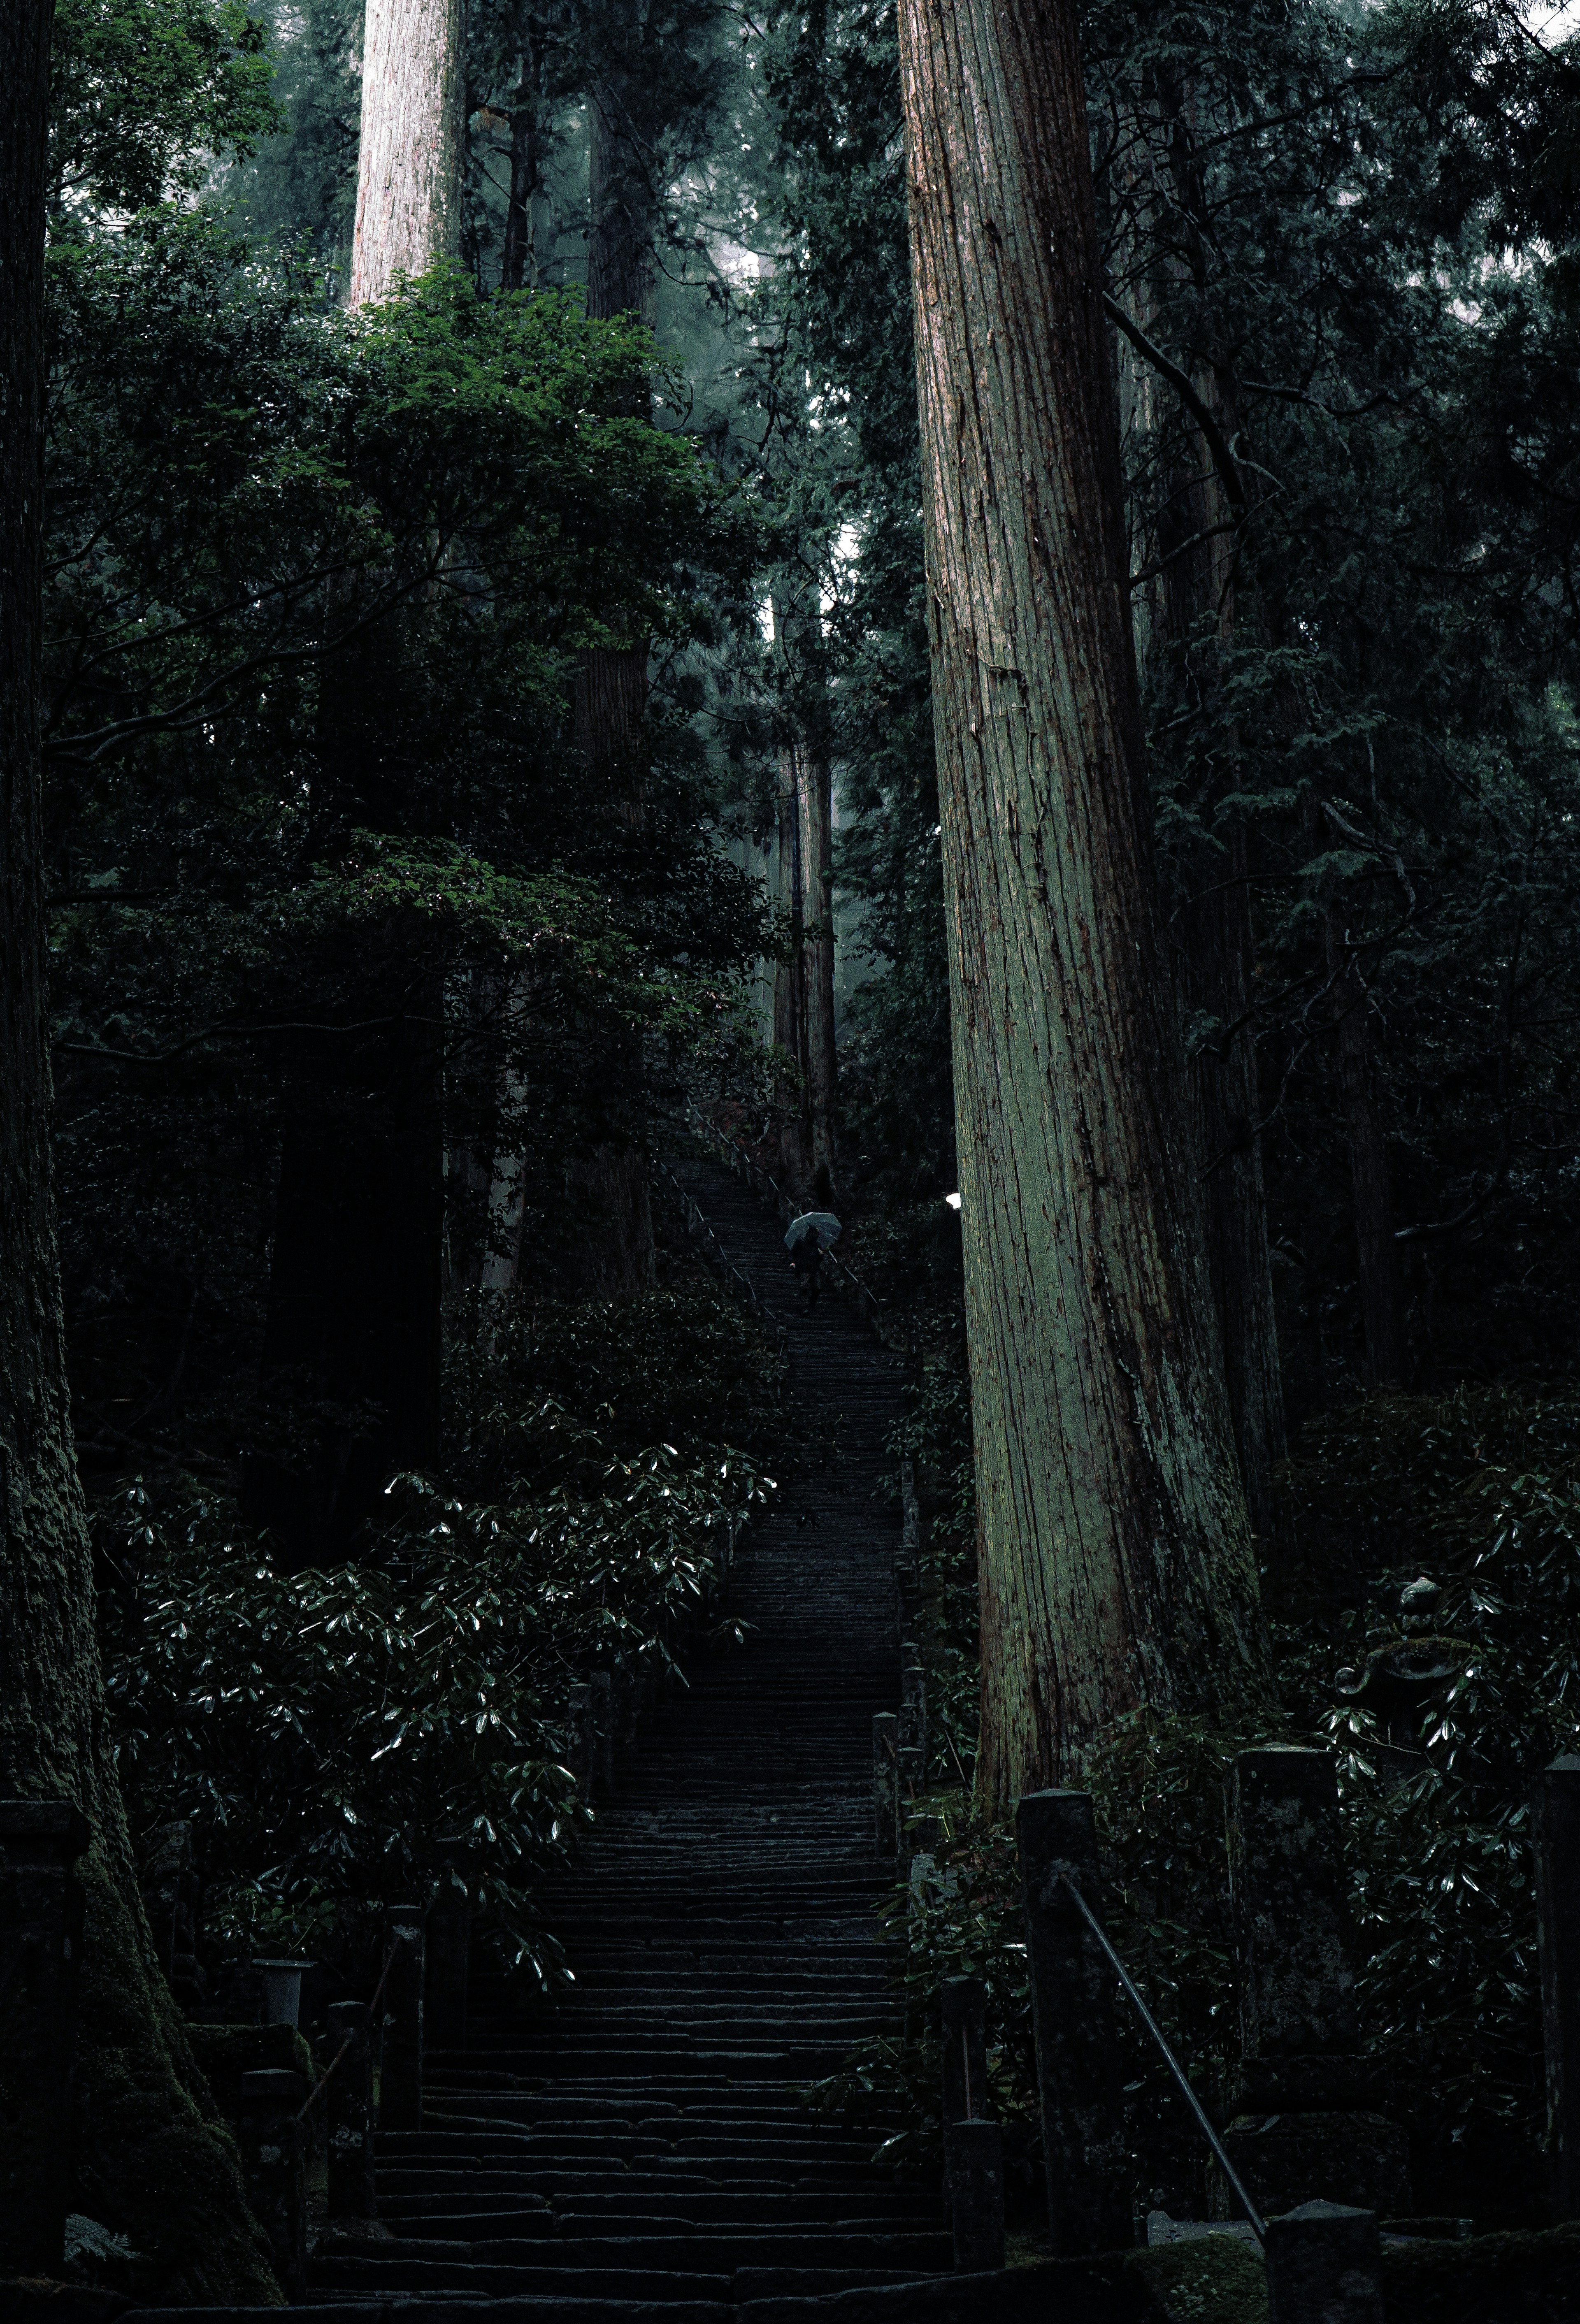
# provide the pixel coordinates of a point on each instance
(817, 854)
(1115, 1553)
(519, 258)
(150, 2160)
(351, 1357)
(408, 160)
(790, 980)
(616, 1258)
(1376, 1250)
(1187, 616)
(1222, 1089)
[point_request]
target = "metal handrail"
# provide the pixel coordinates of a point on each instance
(1254, 2219)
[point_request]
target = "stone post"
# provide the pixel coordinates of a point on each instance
(1304, 2128)
(171, 1897)
(1291, 1909)
(348, 2099)
(448, 1945)
(1072, 2010)
(41, 1954)
(271, 2149)
(886, 1782)
(973, 2189)
(400, 2078)
(1555, 1837)
(964, 2017)
(913, 1722)
(1324, 2266)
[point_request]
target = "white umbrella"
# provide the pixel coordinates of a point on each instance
(822, 1223)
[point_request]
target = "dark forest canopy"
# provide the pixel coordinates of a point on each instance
(480, 727)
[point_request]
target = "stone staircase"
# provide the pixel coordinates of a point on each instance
(639, 2147)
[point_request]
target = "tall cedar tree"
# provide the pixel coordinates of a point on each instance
(151, 2159)
(355, 1284)
(1115, 1553)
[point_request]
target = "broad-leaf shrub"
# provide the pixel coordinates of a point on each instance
(322, 1728)
(1477, 1492)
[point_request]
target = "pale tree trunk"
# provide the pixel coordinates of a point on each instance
(790, 978)
(817, 852)
(617, 1258)
(151, 2159)
(409, 160)
(519, 259)
(357, 1264)
(1187, 613)
(1115, 1553)
(1376, 1250)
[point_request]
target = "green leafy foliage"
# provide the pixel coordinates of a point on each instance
(322, 1728)
(145, 95)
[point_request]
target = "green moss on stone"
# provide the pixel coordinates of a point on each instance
(1505, 2279)
(1210, 2280)
(154, 2162)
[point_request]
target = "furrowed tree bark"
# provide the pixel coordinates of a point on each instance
(1114, 1549)
(790, 978)
(519, 255)
(1186, 614)
(409, 160)
(617, 1258)
(817, 851)
(1376, 1252)
(151, 2161)
(351, 1355)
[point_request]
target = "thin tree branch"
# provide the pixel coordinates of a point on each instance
(1217, 444)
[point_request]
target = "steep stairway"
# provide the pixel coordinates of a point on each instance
(640, 2142)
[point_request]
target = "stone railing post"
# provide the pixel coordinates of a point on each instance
(1072, 2010)
(965, 2020)
(913, 1717)
(400, 2072)
(41, 1954)
(974, 2190)
(886, 1782)
(1556, 1839)
(270, 2136)
(171, 1895)
(349, 2100)
(1324, 2266)
(447, 1946)
(1303, 2128)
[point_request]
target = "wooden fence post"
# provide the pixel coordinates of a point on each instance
(1072, 2010)
(886, 1782)
(270, 2136)
(350, 2119)
(401, 2073)
(1304, 2126)
(1556, 1839)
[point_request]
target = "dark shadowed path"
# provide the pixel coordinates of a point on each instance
(643, 2142)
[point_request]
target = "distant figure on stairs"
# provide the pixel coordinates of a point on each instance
(809, 1236)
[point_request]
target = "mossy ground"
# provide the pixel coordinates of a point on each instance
(155, 2163)
(1211, 2279)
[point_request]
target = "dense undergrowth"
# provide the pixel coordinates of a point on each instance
(321, 1728)
(1441, 1706)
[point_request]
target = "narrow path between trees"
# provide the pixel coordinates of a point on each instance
(642, 2143)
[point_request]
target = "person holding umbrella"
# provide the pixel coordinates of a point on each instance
(809, 1236)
